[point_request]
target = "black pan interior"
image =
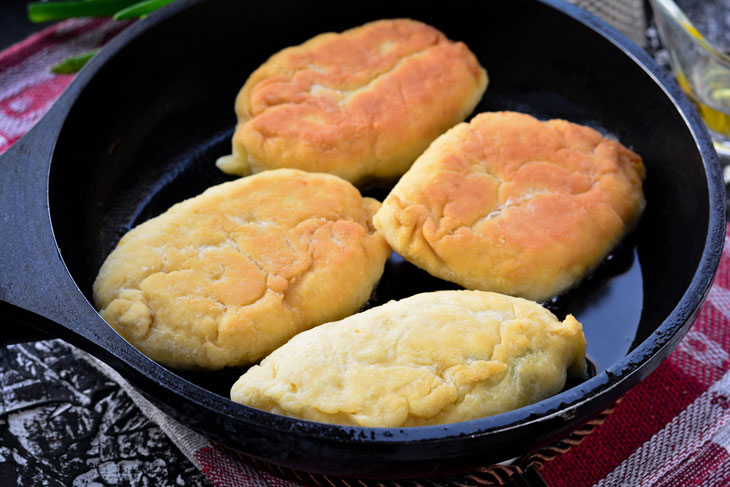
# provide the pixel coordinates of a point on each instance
(147, 129)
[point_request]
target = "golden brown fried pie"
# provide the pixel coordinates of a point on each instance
(361, 104)
(226, 277)
(433, 358)
(510, 204)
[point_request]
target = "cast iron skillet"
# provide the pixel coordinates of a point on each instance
(141, 126)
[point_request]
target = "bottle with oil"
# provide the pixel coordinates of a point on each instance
(710, 93)
(697, 37)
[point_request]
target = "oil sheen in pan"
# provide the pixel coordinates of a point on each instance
(608, 302)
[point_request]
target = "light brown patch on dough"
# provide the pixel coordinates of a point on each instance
(226, 277)
(433, 358)
(360, 104)
(510, 204)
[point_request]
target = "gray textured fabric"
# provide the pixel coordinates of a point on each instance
(627, 16)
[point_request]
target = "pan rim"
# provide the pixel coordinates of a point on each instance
(639, 362)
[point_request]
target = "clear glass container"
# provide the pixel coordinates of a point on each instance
(696, 34)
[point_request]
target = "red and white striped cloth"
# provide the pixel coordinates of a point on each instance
(27, 86)
(673, 429)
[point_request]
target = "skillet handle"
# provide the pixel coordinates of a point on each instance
(23, 188)
(37, 293)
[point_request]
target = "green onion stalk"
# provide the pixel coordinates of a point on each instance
(117, 9)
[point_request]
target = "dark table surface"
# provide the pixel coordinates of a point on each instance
(65, 423)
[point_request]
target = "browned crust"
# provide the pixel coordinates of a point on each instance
(511, 204)
(360, 104)
(226, 277)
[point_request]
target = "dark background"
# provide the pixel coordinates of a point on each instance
(14, 23)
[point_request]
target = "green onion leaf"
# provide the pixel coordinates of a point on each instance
(140, 9)
(73, 64)
(50, 11)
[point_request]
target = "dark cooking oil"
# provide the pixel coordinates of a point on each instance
(608, 303)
